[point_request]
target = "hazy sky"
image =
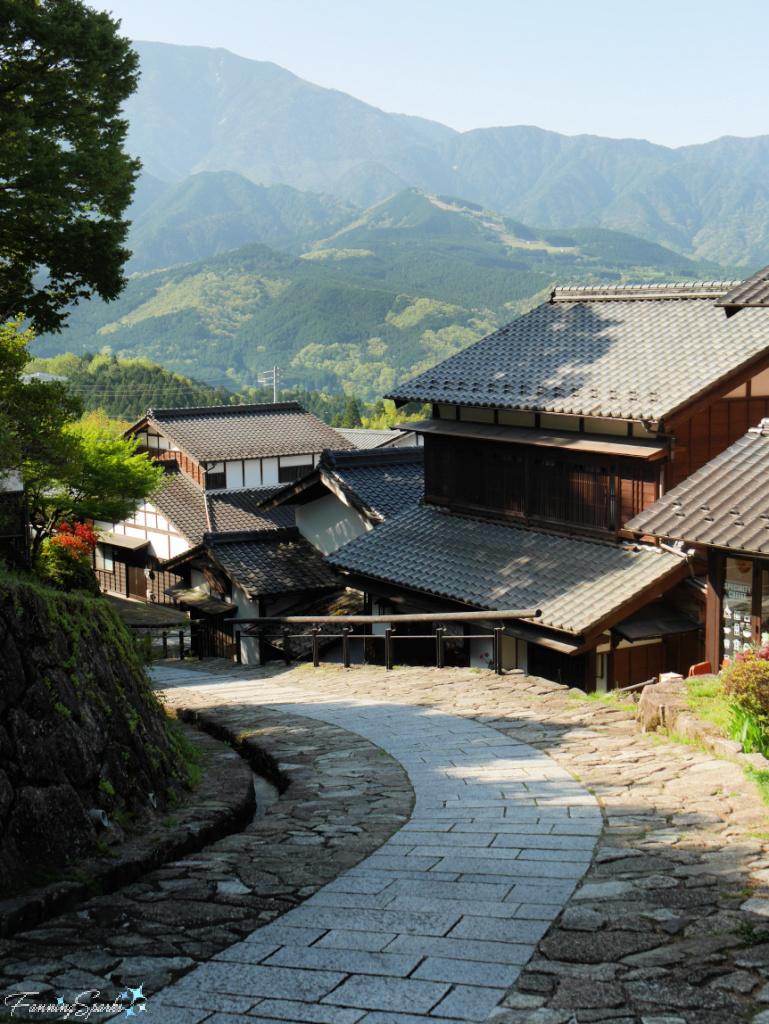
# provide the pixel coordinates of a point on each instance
(672, 71)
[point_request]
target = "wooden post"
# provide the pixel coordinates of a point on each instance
(238, 648)
(498, 630)
(714, 609)
(181, 645)
(440, 659)
(286, 648)
(346, 646)
(260, 640)
(388, 649)
(315, 652)
(165, 644)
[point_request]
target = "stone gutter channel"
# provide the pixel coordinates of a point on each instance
(224, 803)
(231, 863)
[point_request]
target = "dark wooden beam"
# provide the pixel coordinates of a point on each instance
(714, 605)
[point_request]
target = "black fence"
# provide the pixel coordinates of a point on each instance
(207, 638)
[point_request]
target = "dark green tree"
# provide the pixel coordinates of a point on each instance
(64, 177)
(351, 416)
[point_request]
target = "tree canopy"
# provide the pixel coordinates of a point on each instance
(64, 177)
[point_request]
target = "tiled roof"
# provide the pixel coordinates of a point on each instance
(630, 352)
(385, 481)
(576, 583)
(182, 503)
(236, 510)
(752, 292)
(362, 438)
(277, 566)
(725, 504)
(219, 433)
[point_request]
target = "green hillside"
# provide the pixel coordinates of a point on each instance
(407, 284)
(125, 388)
(209, 213)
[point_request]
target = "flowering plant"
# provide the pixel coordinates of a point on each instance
(65, 558)
(746, 680)
(79, 541)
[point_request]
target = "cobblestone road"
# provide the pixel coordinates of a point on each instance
(441, 918)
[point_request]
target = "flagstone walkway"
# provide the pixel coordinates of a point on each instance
(436, 924)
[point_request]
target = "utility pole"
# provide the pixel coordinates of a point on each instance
(271, 377)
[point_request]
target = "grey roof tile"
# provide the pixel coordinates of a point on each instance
(236, 510)
(383, 482)
(274, 566)
(576, 583)
(725, 504)
(752, 292)
(182, 502)
(220, 433)
(630, 352)
(360, 437)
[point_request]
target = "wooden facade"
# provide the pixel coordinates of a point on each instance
(586, 493)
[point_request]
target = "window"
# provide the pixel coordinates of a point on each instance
(216, 481)
(104, 558)
(571, 492)
(288, 473)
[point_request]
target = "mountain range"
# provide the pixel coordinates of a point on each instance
(358, 302)
(200, 109)
(277, 223)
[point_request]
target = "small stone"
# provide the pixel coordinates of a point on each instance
(655, 882)
(736, 981)
(582, 919)
(756, 906)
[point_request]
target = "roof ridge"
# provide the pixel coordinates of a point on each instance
(224, 410)
(652, 290)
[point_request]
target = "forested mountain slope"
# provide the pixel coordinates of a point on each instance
(399, 288)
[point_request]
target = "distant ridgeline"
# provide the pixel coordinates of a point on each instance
(125, 388)
(358, 304)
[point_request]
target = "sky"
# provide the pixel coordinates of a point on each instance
(675, 72)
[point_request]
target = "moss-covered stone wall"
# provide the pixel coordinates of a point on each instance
(80, 729)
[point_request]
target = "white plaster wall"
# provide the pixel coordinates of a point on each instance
(328, 524)
(199, 582)
(296, 460)
(233, 474)
(253, 473)
(482, 652)
(160, 545)
(270, 472)
(178, 545)
(247, 609)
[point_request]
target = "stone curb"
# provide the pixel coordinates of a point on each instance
(224, 803)
(260, 761)
(664, 706)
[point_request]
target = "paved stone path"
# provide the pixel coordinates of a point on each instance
(437, 923)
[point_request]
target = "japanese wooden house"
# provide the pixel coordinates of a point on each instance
(221, 464)
(545, 439)
(722, 513)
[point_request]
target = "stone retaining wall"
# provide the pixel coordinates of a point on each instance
(80, 729)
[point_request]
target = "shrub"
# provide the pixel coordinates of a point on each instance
(746, 681)
(64, 560)
(749, 729)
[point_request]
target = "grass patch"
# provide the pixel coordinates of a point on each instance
(705, 696)
(749, 935)
(596, 697)
(761, 780)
